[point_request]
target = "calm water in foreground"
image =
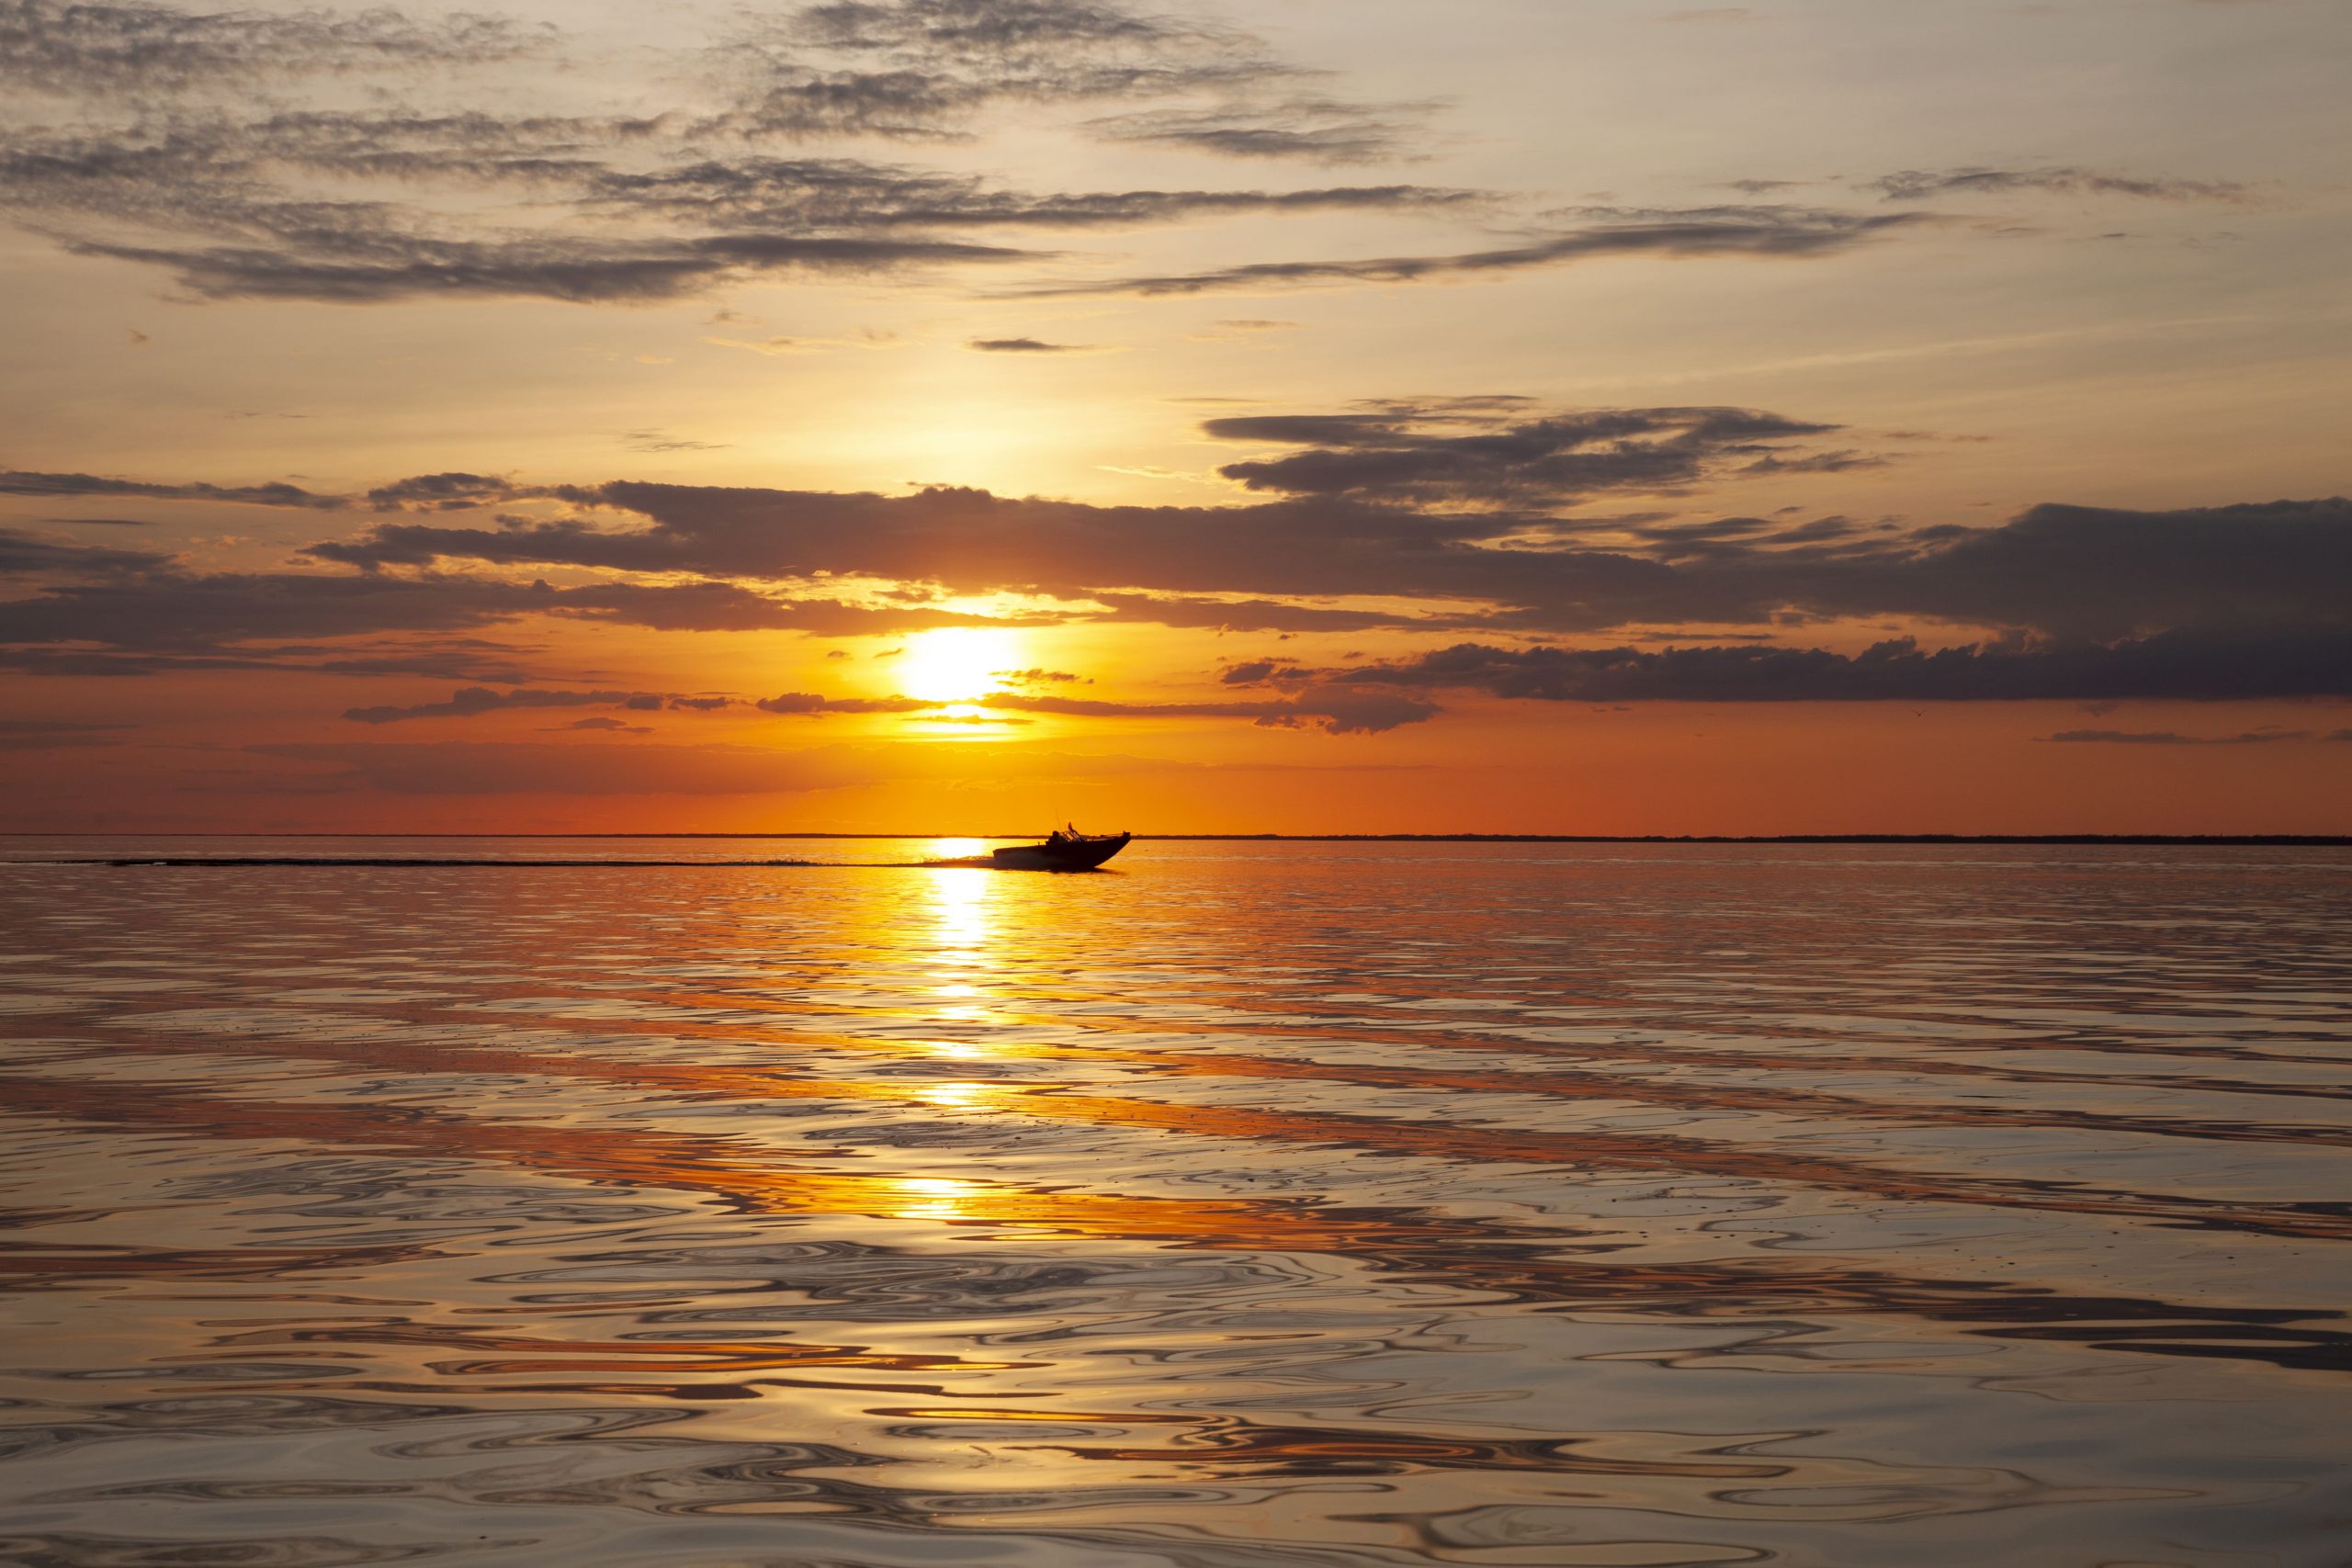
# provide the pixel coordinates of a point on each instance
(1256, 1205)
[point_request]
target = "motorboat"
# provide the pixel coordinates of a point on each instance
(1064, 849)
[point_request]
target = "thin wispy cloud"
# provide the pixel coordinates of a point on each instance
(274, 493)
(1786, 235)
(2173, 737)
(1922, 184)
(662, 441)
(1334, 713)
(1316, 131)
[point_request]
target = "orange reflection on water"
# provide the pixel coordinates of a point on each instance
(934, 1198)
(962, 1096)
(1490, 1255)
(959, 911)
(964, 937)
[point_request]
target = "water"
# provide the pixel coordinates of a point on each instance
(1260, 1205)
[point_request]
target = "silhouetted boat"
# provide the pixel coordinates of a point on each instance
(1064, 849)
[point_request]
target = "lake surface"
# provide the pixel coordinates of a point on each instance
(1253, 1204)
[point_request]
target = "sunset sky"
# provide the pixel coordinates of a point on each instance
(1265, 415)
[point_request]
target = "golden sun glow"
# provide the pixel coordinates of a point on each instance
(957, 664)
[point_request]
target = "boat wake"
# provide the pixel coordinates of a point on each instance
(975, 862)
(992, 862)
(409, 860)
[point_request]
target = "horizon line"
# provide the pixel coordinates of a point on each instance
(2322, 841)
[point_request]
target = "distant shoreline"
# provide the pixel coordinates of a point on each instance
(2250, 841)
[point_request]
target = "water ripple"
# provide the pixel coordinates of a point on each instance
(1266, 1206)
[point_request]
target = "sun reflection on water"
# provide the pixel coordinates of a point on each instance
(931, 1198)
(963, 952)
(954, 1096)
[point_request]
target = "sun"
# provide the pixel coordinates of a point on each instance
(958, 664)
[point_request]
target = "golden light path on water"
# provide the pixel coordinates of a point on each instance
(1260, 1205)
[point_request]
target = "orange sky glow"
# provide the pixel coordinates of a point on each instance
(1250, 417)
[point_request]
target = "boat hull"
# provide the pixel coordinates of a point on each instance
(1072, 855)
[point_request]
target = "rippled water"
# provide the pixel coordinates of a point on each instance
(1257, 1204)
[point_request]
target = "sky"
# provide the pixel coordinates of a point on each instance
(959, 416)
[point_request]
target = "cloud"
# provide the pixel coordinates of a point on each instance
(92, 46)
(444, 658)
(2168, 738)
(1317, 131)
(713, 606)
(24, 554)
(2059, 571)
(253, 196)
(1025, 345)
(608, 725)
(1442, 452)
(1922, 184)
(799, 704)
(577, 768)
(1782, 233)
(1268, 614)
(1238, 328)
(474, 701)
(449, 492)
(621, 210)
(170, 611)
(2104, 573)
(662, 441)
(184, 620)
(551, 268)
(13, 482)
(978, 29)
(833, 193)
(134, 612)
(463, 659)
(2177, 665)
(49, 735)
(925, 70)
(1427, 515)
(1336, 712)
